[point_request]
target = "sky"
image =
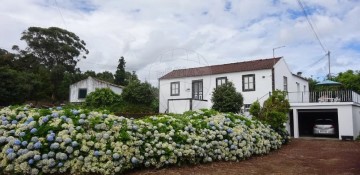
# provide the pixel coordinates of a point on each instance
(158, 36)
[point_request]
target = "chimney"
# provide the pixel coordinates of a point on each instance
(299, 73)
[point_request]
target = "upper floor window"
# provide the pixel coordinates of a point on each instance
(248, 83)
(285, 84)
(175, 88)
(220, 81)
(82, 93)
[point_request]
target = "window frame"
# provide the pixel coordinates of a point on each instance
(177, 90)
(220, 78)
(248, 76)
(200, 92)
(79, 89)
(247, 107)
(285, 83)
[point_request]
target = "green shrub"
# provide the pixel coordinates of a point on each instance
(102, 98)
(274, 112)
(138, 93)
(226, 99)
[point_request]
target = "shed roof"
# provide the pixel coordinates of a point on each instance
(223, 68)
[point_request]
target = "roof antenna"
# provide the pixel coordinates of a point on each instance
(274, 51)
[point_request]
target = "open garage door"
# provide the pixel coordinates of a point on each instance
(325, 119)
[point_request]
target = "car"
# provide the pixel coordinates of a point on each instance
(324, 127)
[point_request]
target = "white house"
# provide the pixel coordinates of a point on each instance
(189, 89)
(79, 90)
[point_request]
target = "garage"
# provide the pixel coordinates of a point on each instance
(318, 119)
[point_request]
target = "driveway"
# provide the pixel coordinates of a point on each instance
(301, 156)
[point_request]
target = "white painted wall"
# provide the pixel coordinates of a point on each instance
(281, 69)
(179, 106)
(356, 119)
(345, 116)
(91, 85)
(262, 87)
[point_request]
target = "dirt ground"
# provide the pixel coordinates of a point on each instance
(301, 156)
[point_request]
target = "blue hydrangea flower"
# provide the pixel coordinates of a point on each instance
(67, 140)
(97, 153)
(75, 112)
(9, 150)
(116, 156)
(11, 156)
(50, 138)
(59, 108)
(5, 122)
(81, 121)
(55, 115)
(45, 119)
(60, 164)
(37, 145)
(82, 116)
(11, 131)
(78, 128)
(22, 134)
(17, 142)
(30, 119)
(34, 130)
(63, 117)
(74, 143)
(134, 160)
(34, 139)
(31, 161)
(37, 157)
(54, 146)
(14, 122)
(2, 139)
(24, 143)
(45, 156)
(229, 130)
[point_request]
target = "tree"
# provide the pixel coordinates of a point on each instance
(349, 80)
(90, 73)
(106, 76)
(57, 49)
(226, 99)
(120, 74)
(138, 93)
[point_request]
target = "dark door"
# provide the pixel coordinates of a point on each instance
(197, 89)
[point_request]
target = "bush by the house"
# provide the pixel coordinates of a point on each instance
(274, 112)
(226, 99)
(36, 141)
(102, 98)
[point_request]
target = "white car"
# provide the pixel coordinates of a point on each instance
(324, 127)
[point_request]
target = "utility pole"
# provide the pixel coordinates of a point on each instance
(329, 76)
(275, 49)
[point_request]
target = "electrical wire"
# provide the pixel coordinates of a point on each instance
(311, 26)
(62, 17)
(310, 66)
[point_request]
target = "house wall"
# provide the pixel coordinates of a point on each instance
(345, 116)
(281, 69)
(356, 119)
(91, 85)
(263, 86)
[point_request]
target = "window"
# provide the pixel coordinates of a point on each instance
(304, 88)
(175, 88)
(82, 93)
(220, 81)
(248, 82)
(197, 89)
(285, 84)
(247, 107)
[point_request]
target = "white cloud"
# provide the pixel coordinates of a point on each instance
(145, 32)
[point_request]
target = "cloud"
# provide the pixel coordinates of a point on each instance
(145, 32)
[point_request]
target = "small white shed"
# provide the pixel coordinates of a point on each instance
(79, 90)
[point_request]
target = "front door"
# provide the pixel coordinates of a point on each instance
(197, 89)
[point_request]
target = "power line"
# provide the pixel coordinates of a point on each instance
(311, 26)
(62, 17)
(312, 64)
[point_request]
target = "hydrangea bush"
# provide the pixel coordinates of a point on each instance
(34, 141)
